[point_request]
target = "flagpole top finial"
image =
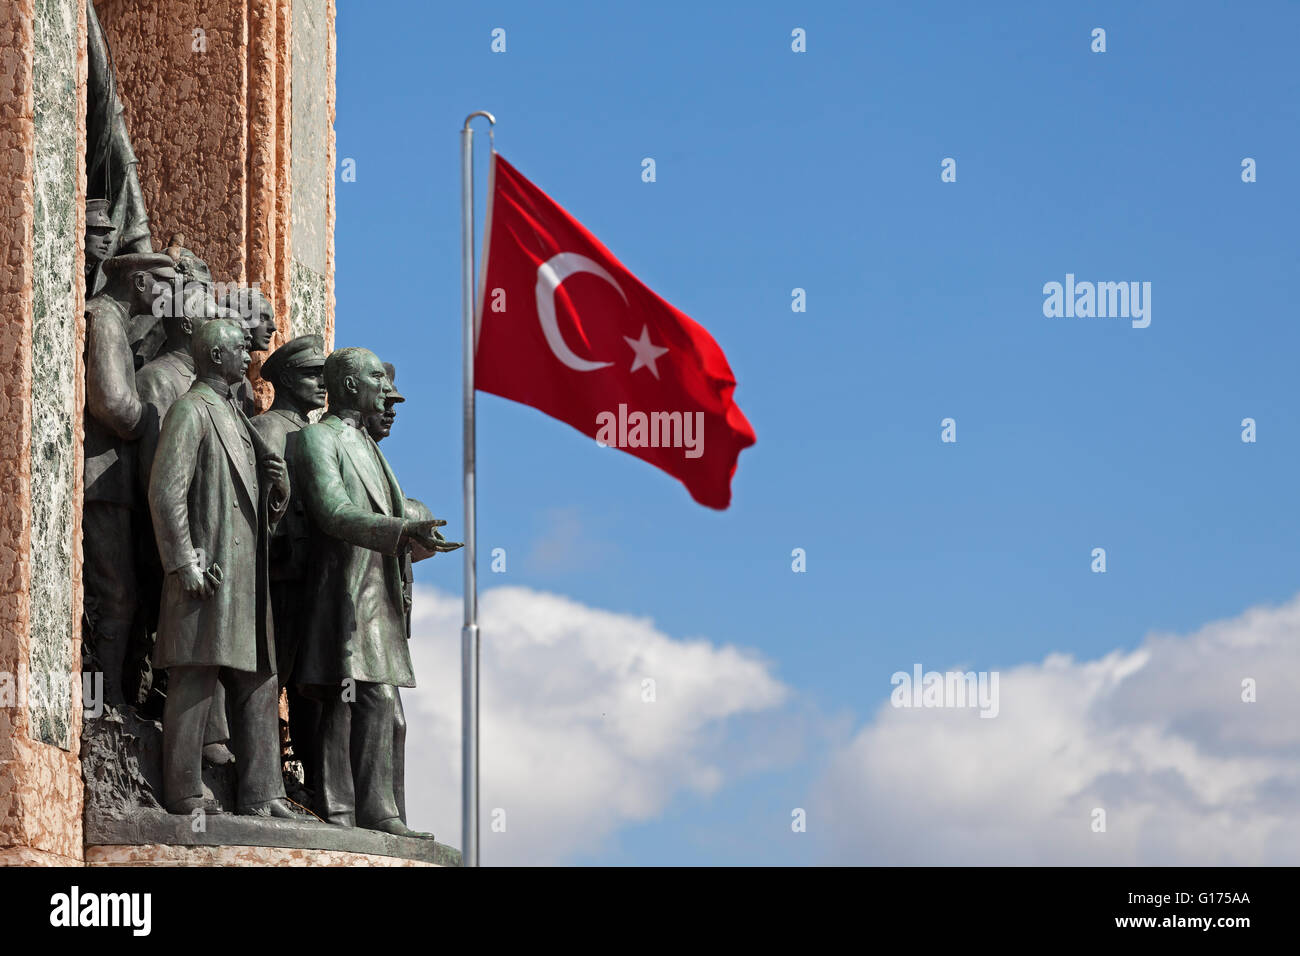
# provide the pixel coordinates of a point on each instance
(492, 120)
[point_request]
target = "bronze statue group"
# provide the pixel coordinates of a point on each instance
(233, 557)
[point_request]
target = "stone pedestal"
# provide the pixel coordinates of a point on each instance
(230, 105)
(154, 854)
(155, 838)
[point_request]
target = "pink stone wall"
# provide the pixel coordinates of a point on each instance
(187, 109)
(212, 133)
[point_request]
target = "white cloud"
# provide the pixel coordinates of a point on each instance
(568, 747)
(1158, 737)
(564, 543)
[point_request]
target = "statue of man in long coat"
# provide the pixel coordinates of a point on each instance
(215, 492)
(380, 426)
(161, 382)
(354, 653)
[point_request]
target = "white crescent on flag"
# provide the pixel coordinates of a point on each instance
(549, 276)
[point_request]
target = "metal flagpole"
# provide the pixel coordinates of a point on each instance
(469, 637)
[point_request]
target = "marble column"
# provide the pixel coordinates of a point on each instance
(42, 129)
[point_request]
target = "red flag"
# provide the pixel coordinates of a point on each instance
(564, 327)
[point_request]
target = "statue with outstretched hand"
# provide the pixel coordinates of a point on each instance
(353, 654)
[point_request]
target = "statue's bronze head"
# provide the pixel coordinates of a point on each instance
(297, 370)
(139, 278)
(355, 379)
(99, 233)
(188, 264)
(380, 424)
(256, 312)
(219, 350)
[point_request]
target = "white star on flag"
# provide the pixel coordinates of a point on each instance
(646, 351)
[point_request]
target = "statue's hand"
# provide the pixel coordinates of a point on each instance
(425, 533)
(194, 582)
(438, 545)
(425, 528)
(436, 542)
(278, 472)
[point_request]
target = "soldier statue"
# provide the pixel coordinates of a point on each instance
(100, 232)
(193, 293)
(115, 417)
(296, 370)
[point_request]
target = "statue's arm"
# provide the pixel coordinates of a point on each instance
(110, 377)
(151, 401)
(169, 484)
(274, 470)
(277, 444)
(316, 468)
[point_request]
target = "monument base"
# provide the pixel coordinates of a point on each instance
(158, 838)
(158, 854)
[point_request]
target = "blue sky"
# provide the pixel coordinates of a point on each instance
(821, 170)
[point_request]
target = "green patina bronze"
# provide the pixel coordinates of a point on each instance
(353, 654)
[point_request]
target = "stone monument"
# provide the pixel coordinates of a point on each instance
(159, 530)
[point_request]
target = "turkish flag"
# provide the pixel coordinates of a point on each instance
(564, 327)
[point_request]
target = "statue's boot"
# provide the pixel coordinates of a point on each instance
(190, 804)
(279, 808)
(396, 827)
(217, 754)
(216, 735)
